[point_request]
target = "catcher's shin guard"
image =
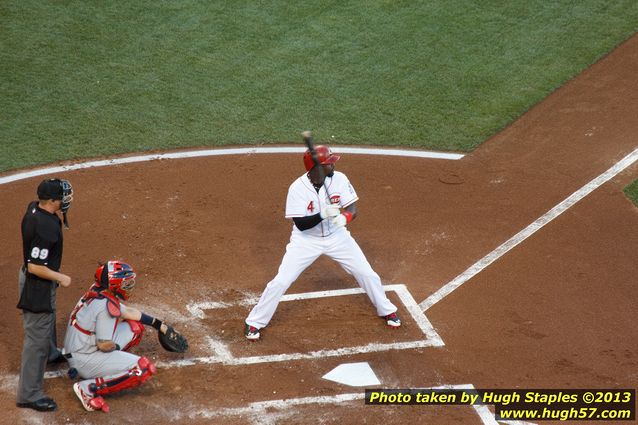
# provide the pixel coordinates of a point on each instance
(141, 373)
(138, 331)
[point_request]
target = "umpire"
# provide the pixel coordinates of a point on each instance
(39, 277)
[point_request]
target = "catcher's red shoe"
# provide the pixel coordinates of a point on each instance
(89, 402)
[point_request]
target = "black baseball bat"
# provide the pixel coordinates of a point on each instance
(307, 138)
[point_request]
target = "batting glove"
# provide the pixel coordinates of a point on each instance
(339, 221)
(330, 211)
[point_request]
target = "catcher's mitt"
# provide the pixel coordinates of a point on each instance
(173, 341)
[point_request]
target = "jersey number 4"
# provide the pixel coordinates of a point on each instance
(311, 206)
(42, 254)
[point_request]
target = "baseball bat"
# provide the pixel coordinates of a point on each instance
(307, 138)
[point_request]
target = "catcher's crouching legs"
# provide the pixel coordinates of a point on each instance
(90, 391)
(136, 376)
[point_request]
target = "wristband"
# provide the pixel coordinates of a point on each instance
(157, 324)
(348, 216)
(147, 320)
(151, 321)
(117, 347)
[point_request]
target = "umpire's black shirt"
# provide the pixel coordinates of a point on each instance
(41, 237)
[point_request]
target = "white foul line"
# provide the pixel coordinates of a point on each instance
(218, 152)
(528, 231)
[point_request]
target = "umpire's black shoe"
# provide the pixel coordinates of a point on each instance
(57, 358)
(45, 404)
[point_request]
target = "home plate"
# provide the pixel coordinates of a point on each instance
(353, 374)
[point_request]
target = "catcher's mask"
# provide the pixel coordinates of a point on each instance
(117, 277)
(58, 190)
(324, 157)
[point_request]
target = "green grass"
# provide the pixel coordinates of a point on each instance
(632, 191)
(88, 78)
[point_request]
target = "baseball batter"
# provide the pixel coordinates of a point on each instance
(100, 333)
(321, 203)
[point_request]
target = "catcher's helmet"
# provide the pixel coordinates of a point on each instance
(56, 189)
(324, 156)
(117, 277)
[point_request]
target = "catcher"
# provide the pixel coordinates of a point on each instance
(102, 330)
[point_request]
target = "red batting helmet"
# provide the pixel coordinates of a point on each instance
(324, 156)
(117, 277)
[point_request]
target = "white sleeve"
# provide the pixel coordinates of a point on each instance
(295, 202)
(348, 194)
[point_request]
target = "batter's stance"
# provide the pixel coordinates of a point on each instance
(314, 203)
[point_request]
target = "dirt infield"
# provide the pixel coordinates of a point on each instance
(558, 310)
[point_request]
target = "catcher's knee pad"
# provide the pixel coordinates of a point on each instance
(139, 374)
(138, 331)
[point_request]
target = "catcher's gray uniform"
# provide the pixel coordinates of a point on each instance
(91, 321)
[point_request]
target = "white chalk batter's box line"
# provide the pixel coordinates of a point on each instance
(257, 410)
(224, 356)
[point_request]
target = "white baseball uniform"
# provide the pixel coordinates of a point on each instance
(323, 239)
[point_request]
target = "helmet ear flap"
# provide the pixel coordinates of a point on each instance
(104, 277)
